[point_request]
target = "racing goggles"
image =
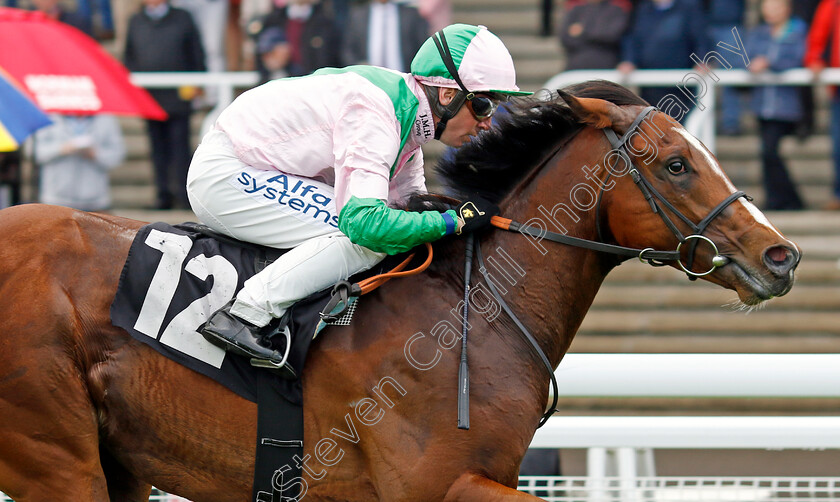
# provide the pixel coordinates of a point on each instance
(481, 107)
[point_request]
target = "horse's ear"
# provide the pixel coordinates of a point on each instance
(598, 113)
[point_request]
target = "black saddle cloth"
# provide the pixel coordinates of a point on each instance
(176, 276)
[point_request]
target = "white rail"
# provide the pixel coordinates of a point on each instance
(623, 445)
(225, 84)
(699, 375)
(700, 123)
(690, 432)
(681, 489)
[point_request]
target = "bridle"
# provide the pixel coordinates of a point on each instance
(656, 201)
(647, 255)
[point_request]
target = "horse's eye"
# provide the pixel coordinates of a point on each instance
(676, 167)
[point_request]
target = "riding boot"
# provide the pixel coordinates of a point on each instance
(241, 337)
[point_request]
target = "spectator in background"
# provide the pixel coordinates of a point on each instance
(10, 178)
(824, 39)
(723, 16)
(591, 33)
(383, 33)
(210, 16)
(777, 45)
(54, 10)
(252, 13)
(311, 32)
(663, 34)
(75, 154)
(275, 54)
(165, 38)
(546, 17)
(804, 10)
(438, 13)
(99, 15)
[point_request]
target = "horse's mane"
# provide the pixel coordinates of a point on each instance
(494, 162)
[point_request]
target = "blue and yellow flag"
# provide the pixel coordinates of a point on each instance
(19, 117)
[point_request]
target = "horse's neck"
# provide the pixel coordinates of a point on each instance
(553, 292)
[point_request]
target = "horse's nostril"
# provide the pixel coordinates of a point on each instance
(778, 254)
(780, 259)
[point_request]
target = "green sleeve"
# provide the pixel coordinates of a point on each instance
(374, 225)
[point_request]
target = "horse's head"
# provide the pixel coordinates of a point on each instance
(661, 188)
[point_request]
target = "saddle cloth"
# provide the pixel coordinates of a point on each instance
(174, 278)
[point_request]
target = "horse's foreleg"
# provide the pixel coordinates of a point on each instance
(122, 485)
(473, 487)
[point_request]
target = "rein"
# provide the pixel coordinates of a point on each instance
(343, 290)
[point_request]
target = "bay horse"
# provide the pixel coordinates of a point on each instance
(88, 413)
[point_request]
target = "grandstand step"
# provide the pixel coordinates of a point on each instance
(747, 147)
(819, 247)
(466, 7)
(532, 74)
(718, 322)
(814, 195)
(136, 125)
(804, 171)
(133, 172)
(133, 196)
(699, 296)
(813, 223)
(171, 216)
(686, 341)
(513, 19)
(528, 47)
(136, 146)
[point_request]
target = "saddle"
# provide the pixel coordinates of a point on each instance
(175, 277)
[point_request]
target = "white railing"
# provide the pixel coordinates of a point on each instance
(225, 84)
(699, 375)
(683, 488)
(620, 448)
(701, 122)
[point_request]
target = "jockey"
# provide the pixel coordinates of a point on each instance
(315, 163)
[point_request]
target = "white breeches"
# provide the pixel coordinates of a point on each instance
(276, 210)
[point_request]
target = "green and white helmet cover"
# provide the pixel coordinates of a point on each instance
(481, 59)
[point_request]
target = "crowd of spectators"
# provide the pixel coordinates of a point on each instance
(280, 38)
(664, 34)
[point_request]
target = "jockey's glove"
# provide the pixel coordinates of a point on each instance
(475, 214)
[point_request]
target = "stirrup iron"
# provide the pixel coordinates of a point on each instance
(287, 370)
